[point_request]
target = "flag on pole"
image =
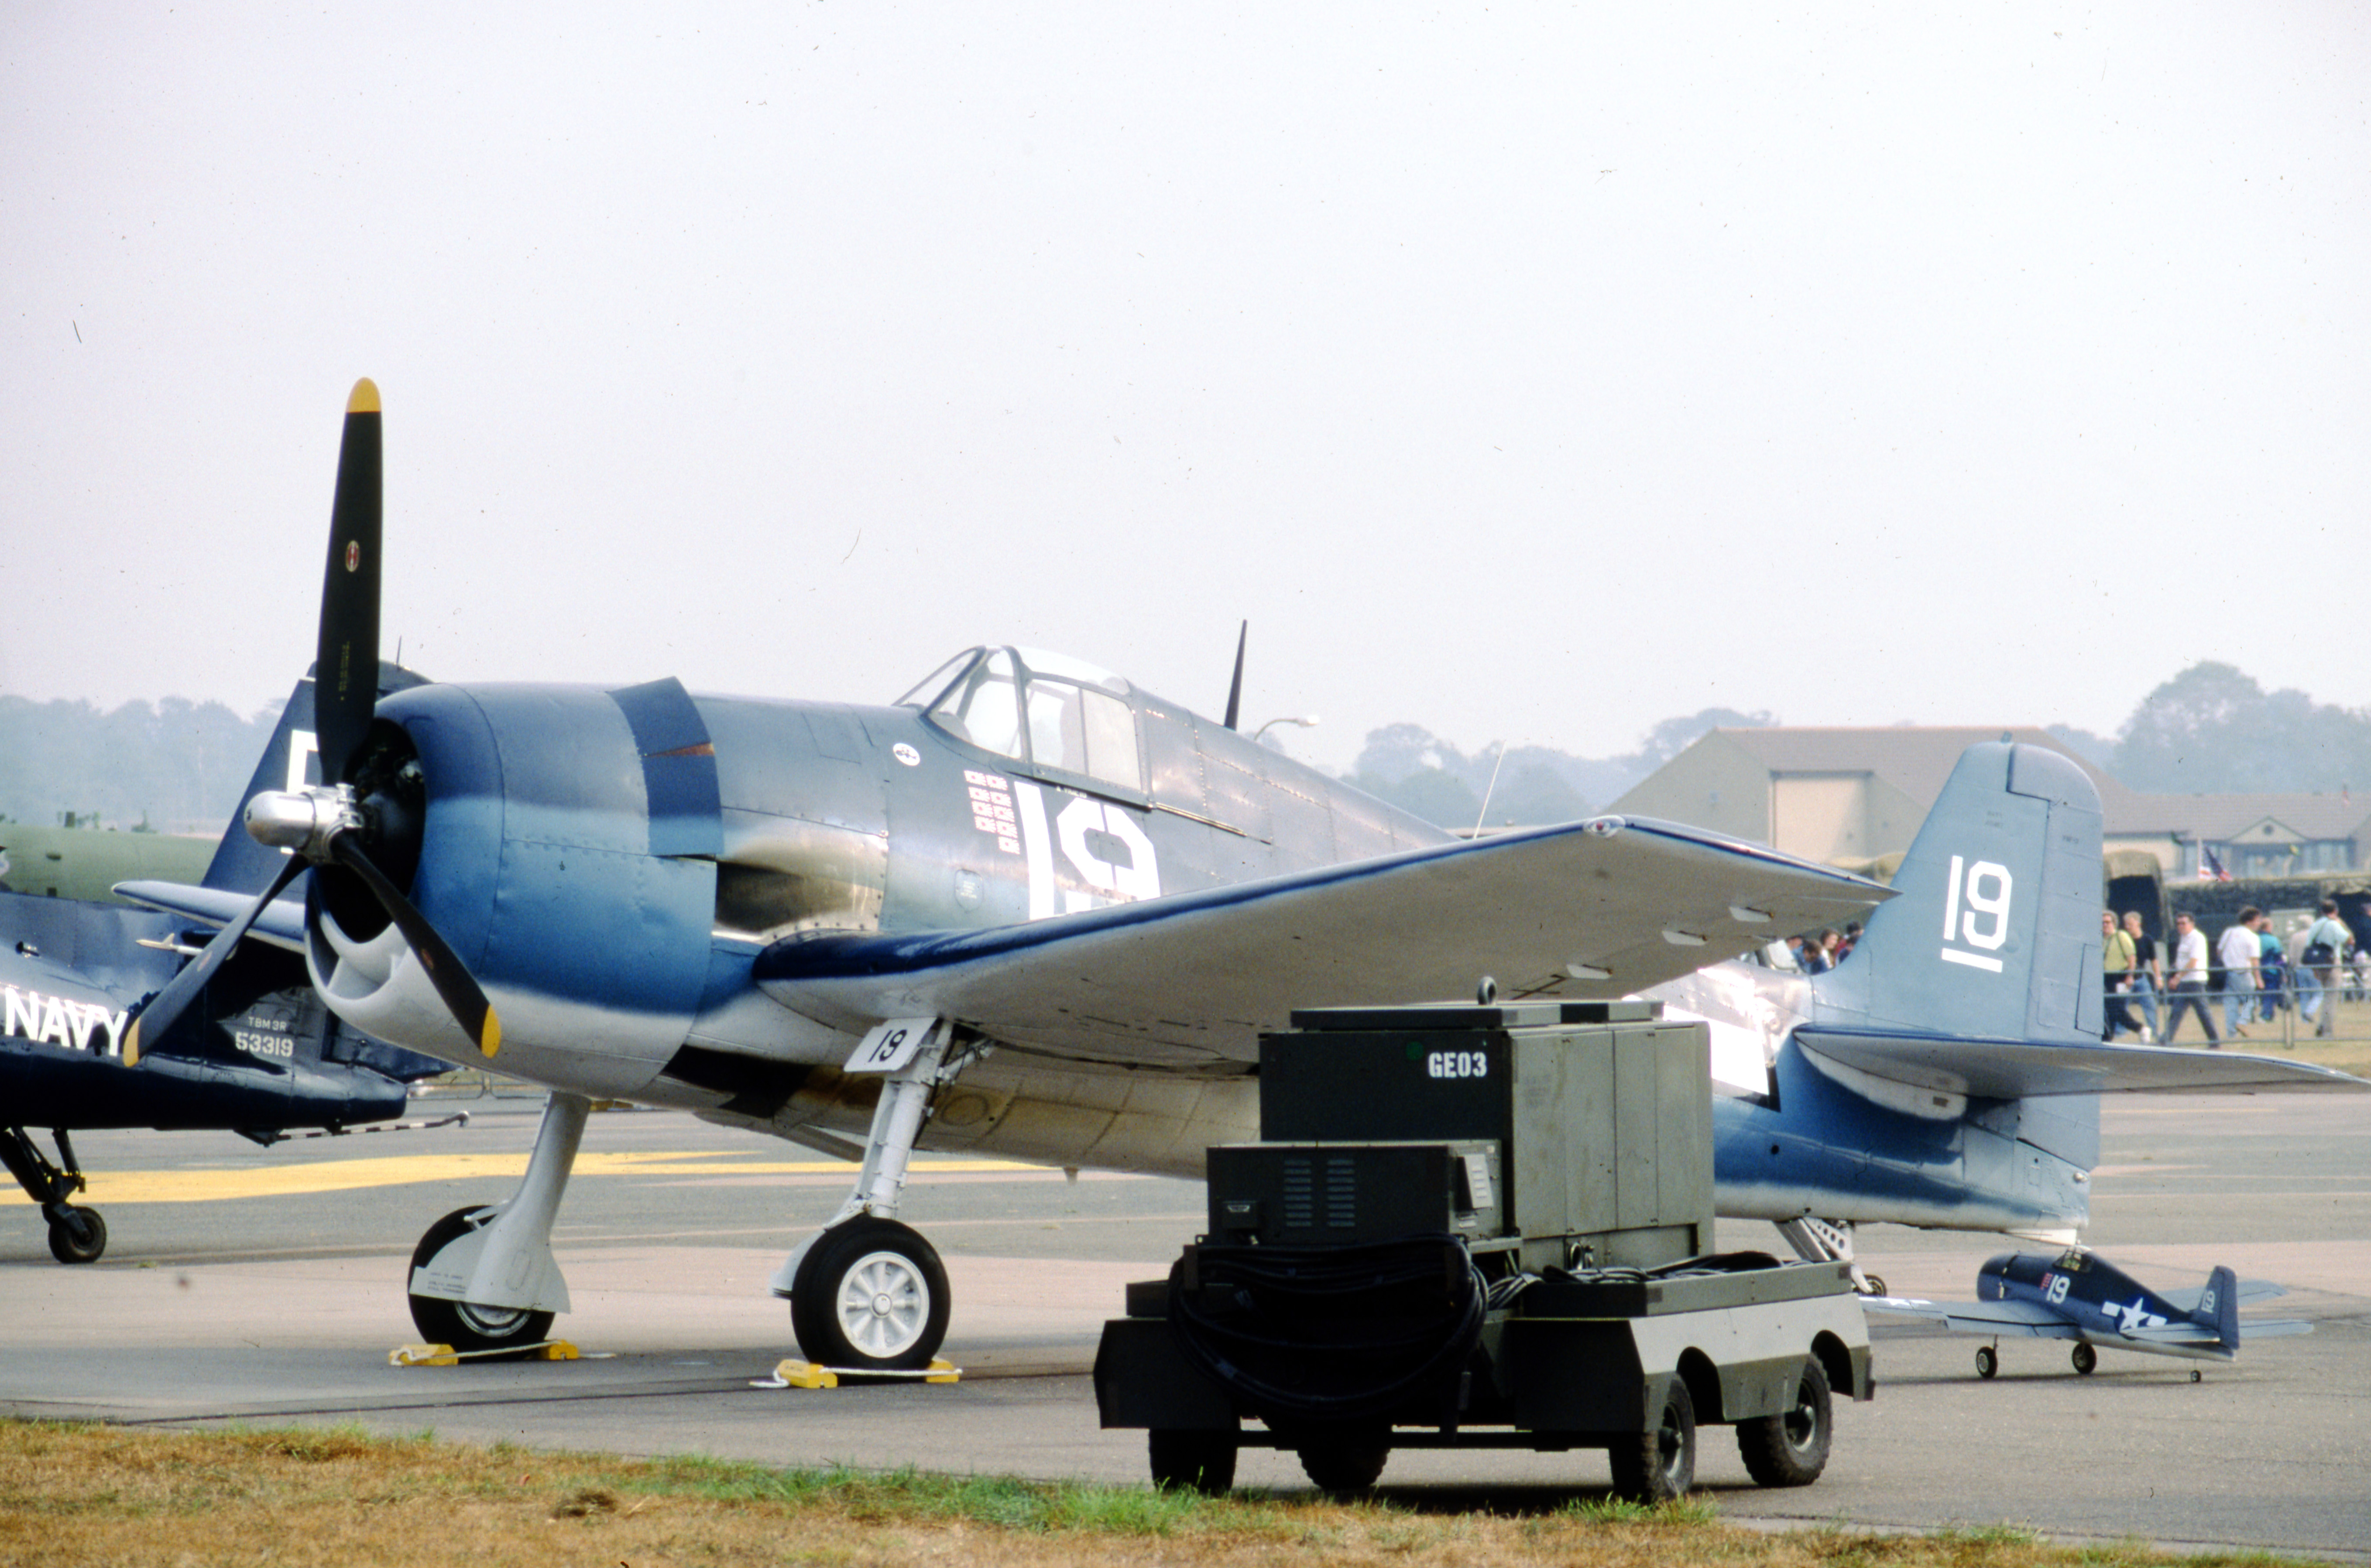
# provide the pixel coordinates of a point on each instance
(2209, 867)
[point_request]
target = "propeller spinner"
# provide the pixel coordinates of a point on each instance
(336, 825)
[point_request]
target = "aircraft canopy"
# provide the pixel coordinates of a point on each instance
(1035, 706)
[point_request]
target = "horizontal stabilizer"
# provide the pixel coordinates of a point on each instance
(282, 924)
(2010, 1069)
(1602, 908)
(2249, 1290)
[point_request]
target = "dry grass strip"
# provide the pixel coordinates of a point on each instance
(82, 1494)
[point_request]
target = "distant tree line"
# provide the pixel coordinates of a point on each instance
(175, 766)
(2209, 731)
(179, 767)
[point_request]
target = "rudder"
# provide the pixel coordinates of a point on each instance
(1993, 932)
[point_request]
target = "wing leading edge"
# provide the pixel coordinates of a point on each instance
(1601, 908)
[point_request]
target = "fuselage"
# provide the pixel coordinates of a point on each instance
(610, 864)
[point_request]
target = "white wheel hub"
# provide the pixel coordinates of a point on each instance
(885, 1304)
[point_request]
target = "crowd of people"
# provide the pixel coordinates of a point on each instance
(2247, 965)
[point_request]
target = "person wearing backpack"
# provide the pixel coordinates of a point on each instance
(2317, 974)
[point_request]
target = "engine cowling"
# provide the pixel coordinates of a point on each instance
(565, 839)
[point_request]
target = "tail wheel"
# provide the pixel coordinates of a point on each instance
(1659, 1464)
(77, 1236)
(1987, 1361)
(2085, 1359)
(871, 1295)
(465, 1325)
(1791, 1447)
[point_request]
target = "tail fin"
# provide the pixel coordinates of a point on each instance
(1995, 932)
(289, 761)
(2218, 1307)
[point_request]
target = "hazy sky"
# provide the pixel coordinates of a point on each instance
(1525, 373)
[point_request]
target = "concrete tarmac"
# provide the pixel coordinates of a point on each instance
(267, 1288)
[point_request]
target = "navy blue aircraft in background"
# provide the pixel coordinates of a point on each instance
(258, 1053)
(1035, 910)
(2079, 1295)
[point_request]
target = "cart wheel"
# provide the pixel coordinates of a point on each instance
(1791, 1447)
(1987, 1361)
(2085, 1358)
(1660, 1464)
(1200, 1461)
(1344, 1469)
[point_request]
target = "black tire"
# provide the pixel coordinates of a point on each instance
(1659, 1464)
(1877, 1284)
(67, 1247)
(870, 1295)
(1192, 1461)
(465, 1325)
(1987, 1361)
(1791, 1447)
(2085, 1359)
(1344, 1469)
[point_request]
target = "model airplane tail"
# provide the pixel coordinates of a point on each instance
(2219, 1308)
(1995, 933)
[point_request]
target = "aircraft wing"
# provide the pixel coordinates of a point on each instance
(281, 923)
(1994, 1319)
(2009, 1069)
(1601, 908)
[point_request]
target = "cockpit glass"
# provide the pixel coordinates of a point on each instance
(1062, 666)
(919, 697)
(1082, 730)
(983, 707)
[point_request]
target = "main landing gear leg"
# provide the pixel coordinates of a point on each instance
(77, 1235)
(865, 1291)
(483, 1277)
(1828, 1241)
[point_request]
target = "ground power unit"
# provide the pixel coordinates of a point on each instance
(1479, 1227)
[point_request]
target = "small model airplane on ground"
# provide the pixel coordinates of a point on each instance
(2081, 1296)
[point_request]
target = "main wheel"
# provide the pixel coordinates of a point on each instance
(870, 1295)
(1987, 1361)
(1192, 1461)
(465, 1325)
(1791, 1447)
(1344, 1469)
(1658, 1465)
(2085, 1359)
(77, 1236)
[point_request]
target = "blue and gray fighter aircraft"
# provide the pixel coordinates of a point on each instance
(259, 1053)
(2081, 1296)
(1033, 910)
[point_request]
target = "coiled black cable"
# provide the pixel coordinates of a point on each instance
(1324, 1334)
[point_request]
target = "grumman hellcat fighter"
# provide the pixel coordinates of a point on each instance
(259, 1056)
(1035, 910)
(2078, 1295)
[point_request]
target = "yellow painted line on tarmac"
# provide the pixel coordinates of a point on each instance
(347, 1175)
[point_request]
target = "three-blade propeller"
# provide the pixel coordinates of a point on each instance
(325, 825)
